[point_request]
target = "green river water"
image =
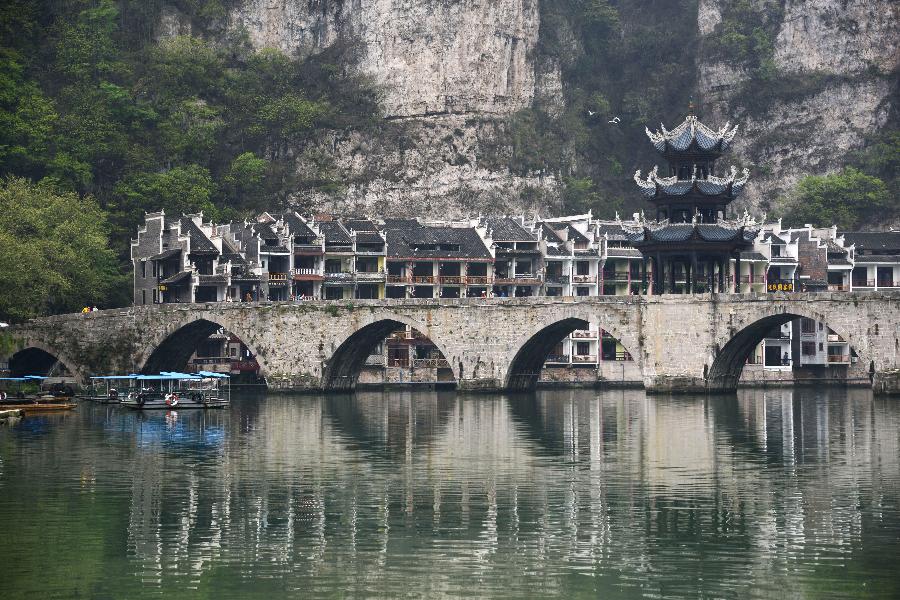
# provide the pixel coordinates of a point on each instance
(420, 494)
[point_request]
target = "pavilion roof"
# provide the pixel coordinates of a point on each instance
(692, 133)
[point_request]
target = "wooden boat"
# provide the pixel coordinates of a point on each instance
(177, 391)
(42, 407)
(19, 392)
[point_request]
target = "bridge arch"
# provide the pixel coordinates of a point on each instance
(342, 368)
(37, 358)
(732, 352)
(533, 348)
(181, 339)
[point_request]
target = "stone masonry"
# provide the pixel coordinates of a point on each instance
(679, 343)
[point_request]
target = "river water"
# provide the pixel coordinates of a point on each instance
(572, 493)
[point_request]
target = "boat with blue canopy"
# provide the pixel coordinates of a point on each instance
(173, 390)
(108, 389)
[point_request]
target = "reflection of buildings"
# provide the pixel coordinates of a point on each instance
(316, 491)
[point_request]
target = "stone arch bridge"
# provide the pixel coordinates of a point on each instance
(679, 342)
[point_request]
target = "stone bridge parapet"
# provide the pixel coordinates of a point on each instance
(679, 342)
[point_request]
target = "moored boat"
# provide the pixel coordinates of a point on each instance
(107, 389)
(169, 390)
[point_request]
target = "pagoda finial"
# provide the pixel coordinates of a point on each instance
(692, 107)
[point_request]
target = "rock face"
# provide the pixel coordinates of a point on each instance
(451, 72)
(837, 63)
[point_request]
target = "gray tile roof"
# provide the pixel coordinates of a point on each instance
(166, 254)
(334, 233)
(504, 229)
(297, 226)
(623, 252)
(873, 240)
(550, 235)
(755, 256)
(408, 240)
(877, 258)
(615, 232)
(200, 244)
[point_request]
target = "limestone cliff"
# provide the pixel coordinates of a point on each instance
(451, 72)
(833, 86)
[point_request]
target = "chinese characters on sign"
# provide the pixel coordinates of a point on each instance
(780, 286)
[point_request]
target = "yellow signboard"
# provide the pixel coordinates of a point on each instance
(163, 287)
(780, 286)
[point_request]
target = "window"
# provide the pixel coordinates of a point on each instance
(583, 348)
(154, 270)
(820, 347)
(232, 351)
(155, 296)
(143, 269)
(807, 325)
(776, 250)
(808, 348)
(582, 267)
(143, 296)
(582, 291)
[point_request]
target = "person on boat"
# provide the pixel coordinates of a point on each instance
(85, 310)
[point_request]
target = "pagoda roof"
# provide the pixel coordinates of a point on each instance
(692, 133)
(656, 186)
(682, 232)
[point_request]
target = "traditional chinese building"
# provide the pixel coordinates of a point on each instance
(691, 243)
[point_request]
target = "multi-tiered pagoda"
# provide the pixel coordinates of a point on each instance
(691, 243)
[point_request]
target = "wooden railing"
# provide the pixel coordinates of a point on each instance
(557, 359)
(584, 358)
(278, 276)
(584, 279)
(584, 334)
(839, 358)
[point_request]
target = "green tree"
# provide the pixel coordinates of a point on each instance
(850, 199)
(54, 254)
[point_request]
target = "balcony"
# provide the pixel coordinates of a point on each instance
(426, 279)
(584, 279)
(308, 249)
(860, 283)
(370, 276)
(451, 279)
(615, 276)
(397, 279)
(518, 279)
(342, 276)
(557, 279)
(837, 287)
(478, 280)
(584, 358)
(557, 359)
(431, 363)
(886, 283)
(840, 359)
(582, 334)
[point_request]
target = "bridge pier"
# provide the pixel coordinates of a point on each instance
(486, 385)
(679, 384)
(886, 383)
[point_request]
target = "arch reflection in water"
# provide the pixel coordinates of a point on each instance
(712, 496)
